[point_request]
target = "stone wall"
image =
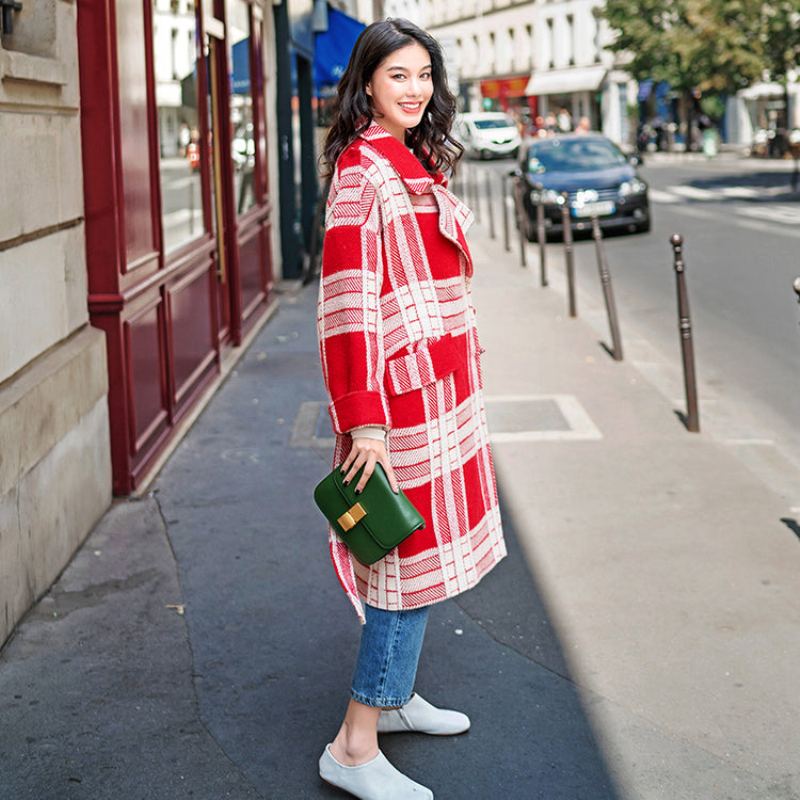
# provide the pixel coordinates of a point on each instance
(55, 472)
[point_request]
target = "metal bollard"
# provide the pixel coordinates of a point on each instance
(568, 254)
(796, 286)
(518, 211)
(489, 204)
(692, 419)
(541, 238)
(608, 291)
(506, 231)
(476, 200)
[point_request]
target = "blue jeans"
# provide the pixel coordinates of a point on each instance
(387, 658)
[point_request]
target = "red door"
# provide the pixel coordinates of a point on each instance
(177, 214)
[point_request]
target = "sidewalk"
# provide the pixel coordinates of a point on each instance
(640, 641)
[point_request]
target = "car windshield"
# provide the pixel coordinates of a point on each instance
(486, 124)
(573, 155)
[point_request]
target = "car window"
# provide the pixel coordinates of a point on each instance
(574, 155)
(487, 124)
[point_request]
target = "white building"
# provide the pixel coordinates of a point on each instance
(536, 57)
(760, 108)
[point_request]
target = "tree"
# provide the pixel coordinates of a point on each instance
(781, 37)
(716, 46)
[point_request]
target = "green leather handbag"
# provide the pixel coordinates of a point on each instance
(372, 523)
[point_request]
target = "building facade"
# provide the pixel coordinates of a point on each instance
(535, 57)
(137, 250)
(55, 457)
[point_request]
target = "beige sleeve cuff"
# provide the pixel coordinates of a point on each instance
(369, 432)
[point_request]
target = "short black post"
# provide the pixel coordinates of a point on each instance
(566, 224)
(608, 291)
(454, 184)
(506, 227)
(541, 238)
(796, 285)
(685, 330)
(519, 211)
(476, 200)
(489, 204)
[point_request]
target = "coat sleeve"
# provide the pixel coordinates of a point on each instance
(349, 325)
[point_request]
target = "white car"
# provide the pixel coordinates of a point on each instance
(488, 134)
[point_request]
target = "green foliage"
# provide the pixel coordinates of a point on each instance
(781, 37)
(711, 45)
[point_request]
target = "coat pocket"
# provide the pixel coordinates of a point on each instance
(429, 362)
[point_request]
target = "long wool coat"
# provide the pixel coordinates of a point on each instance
(399, 348)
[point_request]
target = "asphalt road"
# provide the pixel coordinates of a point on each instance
(741, 226)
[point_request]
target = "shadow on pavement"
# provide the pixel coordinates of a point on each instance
(274, 640)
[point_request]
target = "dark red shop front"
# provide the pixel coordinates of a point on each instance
(177, 209)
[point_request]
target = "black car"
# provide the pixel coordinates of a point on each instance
(599, 178)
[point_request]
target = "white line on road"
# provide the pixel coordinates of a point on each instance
(693, 193)
(780, 228)
(744, 192)
(657, 196)
(786, 215)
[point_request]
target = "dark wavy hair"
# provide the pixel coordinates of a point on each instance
(430, 140)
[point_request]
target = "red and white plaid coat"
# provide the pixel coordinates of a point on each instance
(399, 348)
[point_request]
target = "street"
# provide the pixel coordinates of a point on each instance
(741, 228)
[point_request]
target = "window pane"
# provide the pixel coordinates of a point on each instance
(244, 145)
(174, 52)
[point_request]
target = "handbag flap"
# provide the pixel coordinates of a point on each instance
(389, 517)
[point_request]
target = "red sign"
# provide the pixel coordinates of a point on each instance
(500, 88)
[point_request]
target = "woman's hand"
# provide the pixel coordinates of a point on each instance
(367, 451)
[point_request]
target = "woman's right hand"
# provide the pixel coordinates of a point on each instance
(369, 452)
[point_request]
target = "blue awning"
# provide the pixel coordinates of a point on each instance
(332, 48)
(240, 76)
(645, 87)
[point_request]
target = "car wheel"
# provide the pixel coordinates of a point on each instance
(643, 227)
(485, 155)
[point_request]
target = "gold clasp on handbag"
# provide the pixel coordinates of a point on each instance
(351, 516)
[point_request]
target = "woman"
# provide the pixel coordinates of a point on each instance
(400, 353)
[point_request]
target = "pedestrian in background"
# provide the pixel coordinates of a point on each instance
(400, 359)
(564, 120)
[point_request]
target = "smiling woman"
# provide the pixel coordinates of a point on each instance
(401, 90)
(400, 359)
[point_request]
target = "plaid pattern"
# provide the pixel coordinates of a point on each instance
(399, 348)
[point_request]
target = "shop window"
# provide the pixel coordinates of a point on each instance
(178, 126)
(244, 144)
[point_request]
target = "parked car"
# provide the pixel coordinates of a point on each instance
(599, 178)
(488, 134)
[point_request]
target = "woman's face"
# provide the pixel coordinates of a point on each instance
(400, 88)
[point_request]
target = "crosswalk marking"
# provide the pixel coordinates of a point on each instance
(786, 215)
(755, 201)
(693, 192)
(743, 192)
(657, 196)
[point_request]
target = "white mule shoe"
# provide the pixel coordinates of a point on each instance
(375, 780)
(420, 716)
